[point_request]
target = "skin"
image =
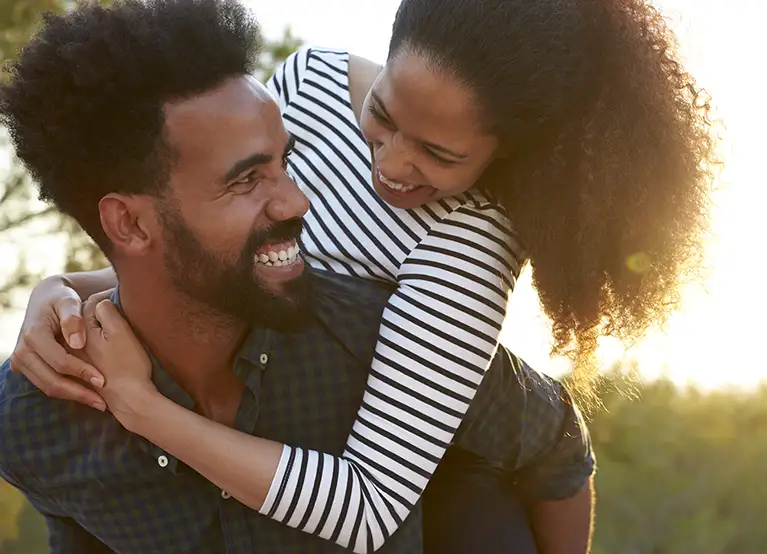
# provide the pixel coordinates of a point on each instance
(440, 146)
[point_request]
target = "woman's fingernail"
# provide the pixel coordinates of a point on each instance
(97, 382)
(99, 406)
(77, 340)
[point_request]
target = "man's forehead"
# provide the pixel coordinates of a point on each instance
(236, 97)
(239, 118)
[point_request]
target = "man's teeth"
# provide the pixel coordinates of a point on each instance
(396, 186)
(279, 258)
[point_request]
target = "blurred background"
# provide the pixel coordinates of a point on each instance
(682, 439)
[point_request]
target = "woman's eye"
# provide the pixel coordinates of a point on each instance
(378, 116)
(439, 158)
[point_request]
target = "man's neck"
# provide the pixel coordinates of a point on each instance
(194, 344)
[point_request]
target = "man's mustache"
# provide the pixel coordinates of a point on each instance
(279, 232)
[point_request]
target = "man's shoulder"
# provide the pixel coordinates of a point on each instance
(37, 432)
(350, 308)
(352, 291)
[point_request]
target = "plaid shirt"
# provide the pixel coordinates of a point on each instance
(105, 490)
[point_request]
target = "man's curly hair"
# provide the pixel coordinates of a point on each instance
(84, 102)
(610, 151)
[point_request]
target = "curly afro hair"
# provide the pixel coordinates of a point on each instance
(84, 102)
(611, 151)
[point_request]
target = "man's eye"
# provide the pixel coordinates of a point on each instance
(285, 160)
(250, 180)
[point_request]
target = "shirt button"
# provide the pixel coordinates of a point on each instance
(263, 359)
(163, 461)
(225, 495)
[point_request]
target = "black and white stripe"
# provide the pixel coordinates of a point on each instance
(454, 262)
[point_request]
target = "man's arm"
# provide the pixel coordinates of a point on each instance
(65, 535)
(527, 422)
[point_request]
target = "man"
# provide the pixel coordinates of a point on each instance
(172, 158)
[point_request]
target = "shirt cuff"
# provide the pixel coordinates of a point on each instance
(276, 488)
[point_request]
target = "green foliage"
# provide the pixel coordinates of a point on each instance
(18, 20)
(275, 51)
(681, 472)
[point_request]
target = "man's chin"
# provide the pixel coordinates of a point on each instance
(288, 309)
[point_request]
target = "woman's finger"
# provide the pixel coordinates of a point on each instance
(55, 385)
(89, 315)
(109, 318)
(40, 345)
(67, 309)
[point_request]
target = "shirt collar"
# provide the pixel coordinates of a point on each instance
(351, 308)
(258, 342)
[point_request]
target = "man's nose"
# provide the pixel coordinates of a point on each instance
(289, 202)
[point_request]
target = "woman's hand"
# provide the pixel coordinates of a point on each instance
(114, 349)
(53, 312)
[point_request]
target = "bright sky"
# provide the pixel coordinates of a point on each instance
(715, 338)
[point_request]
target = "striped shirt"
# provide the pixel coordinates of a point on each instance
(454, 262)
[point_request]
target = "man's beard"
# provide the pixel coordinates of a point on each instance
(232, 289)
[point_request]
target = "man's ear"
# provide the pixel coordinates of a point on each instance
(129, 222)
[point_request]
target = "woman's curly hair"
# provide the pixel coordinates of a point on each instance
(609, 152)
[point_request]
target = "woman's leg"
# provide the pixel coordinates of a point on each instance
(470, 508)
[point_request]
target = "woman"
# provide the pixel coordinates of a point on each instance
(570, 123)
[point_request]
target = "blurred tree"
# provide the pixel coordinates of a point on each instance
(19, 19)
(18, 211)
(275, 52)
(32, 536)
(681, 471)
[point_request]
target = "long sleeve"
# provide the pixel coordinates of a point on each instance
(438, 333)
(65, 535)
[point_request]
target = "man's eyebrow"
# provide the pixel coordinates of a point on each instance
(380, 105)
(255, 160)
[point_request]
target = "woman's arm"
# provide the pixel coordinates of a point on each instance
(88, 283)
(438, 334)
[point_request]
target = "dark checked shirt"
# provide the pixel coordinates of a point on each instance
(104, 490)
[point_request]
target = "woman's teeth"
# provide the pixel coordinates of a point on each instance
(279, 258)
(394, 185)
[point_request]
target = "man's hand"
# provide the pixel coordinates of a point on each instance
(54, 311)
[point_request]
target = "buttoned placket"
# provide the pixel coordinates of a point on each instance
(249, 367)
